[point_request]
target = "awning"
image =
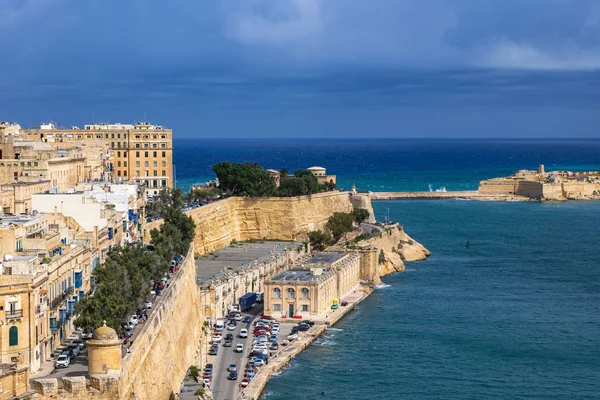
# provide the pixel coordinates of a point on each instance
(43, 291)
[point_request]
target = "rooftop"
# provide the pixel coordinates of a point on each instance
(295, 275)
(323, 258)
(241, 254)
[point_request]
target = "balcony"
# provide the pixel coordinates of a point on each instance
(41, 308)
(14, 314)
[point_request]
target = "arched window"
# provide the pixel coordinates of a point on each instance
(291, 293)
(304, 293)
(277, 293)
(13, 336)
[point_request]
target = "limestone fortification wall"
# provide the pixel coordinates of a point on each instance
(397, 247)
(238, 218)
(168, 343)
(363, 200)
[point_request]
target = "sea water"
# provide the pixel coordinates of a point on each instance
(516, 315)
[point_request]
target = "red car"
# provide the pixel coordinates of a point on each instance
(344, 303)
(266, 317)
(245, 382)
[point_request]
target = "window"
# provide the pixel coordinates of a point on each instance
(145, 163)
(164, 164)
(118, 154)
(164, 183)
(163, 136)
(155, 173)
(13, 336)
(146, 145)
(164, 173)
(145, 154)
(137, 163)
(155, 155)
(119, 136)
(305, 293)
(305, 307)
(154, 145)
(124, 163)
(163, 145)
(124, 145)
(276, 307)
(155, 164)
(124, 173)
(112, 144)
(291, 293)
(124, 153)
(137, 173)
(118, 173)
(277, 293)
(112, 135)
(137, 145)
(164, 153)
(137, 153)
(118, 163)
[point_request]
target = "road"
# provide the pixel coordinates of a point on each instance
(222, 388)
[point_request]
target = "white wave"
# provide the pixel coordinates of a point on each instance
(335, 329)
(442, 189)
(382, 286)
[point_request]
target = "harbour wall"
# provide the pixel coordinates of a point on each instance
(278, 218)
(466, 194)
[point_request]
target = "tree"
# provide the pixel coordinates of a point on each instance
(244, 179)
(381, 257)
(339, 223)
(360, 215)
(319, 240)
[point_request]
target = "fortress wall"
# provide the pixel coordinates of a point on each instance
(530, 189)
(169, 341)
(553, 191)
(239, 218)
(497, 186)
(363, 200)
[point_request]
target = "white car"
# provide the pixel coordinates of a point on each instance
(238, 317)
(244, 333)
(134, 320)
(275, 330)
(62, 361)
(260, 339)
(148, 305)
(216, 339)
(231, 327)
(239, 348)
(292, 337)
(259, 346)
(259, 363)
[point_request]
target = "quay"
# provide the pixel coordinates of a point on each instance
(465, 195)
(285, 355)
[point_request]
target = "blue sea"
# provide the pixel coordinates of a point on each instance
(516, 315)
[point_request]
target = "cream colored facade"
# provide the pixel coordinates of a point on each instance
(141, 153)
(321, 174)
(21, 193)
(312, 286)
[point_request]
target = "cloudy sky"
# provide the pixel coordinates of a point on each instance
(306, 68)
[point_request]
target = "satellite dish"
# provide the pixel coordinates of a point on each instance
(34, 212)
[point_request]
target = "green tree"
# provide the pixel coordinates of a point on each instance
(319, 240)
(244, 179)
(360, 214)
(381, 257)
(340, 223)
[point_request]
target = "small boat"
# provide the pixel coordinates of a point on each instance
(356, 308)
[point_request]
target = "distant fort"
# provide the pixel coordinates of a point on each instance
(522, 185)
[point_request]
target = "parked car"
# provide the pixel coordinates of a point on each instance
(208, 366)
(245, 382)
(74, 349)
(344, 303)
(227, 343)
(239, 348)
(243, 333)
(148, 305)
(232, 368)
(303, 327)
(62, 361)
(134, 320)
(206, 383)
(216, 338)
(213, 351)
(80, 343)
(247, 320)
(259, 346)
(259, 362)
(231, 327)
(238, 317)
(232, 376)
(250, 372)
(306, 321)
(274, 346)
(275, 330)
(292, 337)
(334, 306)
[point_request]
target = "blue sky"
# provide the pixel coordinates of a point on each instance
(306, 68)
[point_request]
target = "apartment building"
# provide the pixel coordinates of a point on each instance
(140, 153)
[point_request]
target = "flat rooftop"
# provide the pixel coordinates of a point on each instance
(241, 254)
(323, 258)
(295, 275)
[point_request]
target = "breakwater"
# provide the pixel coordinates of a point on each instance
(465, 194)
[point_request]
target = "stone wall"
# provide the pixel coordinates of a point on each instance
(363, 200)
(170, 341)
(283, 218)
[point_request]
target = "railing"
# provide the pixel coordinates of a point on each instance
(14, 314)
(41, 308)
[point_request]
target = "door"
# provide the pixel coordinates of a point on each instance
(291, 310)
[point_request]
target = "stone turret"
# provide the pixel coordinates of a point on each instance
(541, 170)
(104, 351)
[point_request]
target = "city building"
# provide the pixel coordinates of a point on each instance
(141, 153)
(313, 285)
(321, 174)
